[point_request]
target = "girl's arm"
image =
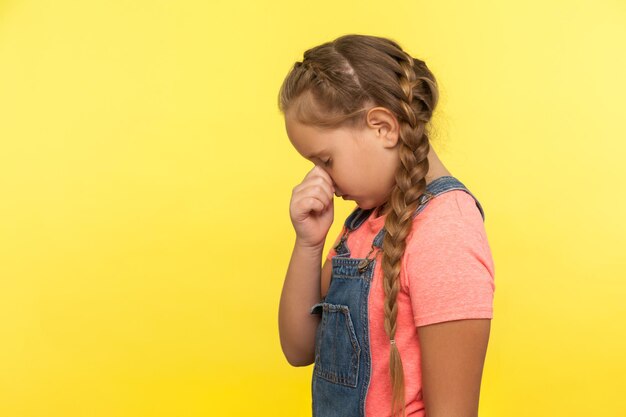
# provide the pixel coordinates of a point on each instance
(301, 289)
(453, 354)
(312, 211)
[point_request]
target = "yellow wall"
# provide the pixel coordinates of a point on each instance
(145, 179)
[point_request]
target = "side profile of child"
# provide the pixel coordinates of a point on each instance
(397, 320)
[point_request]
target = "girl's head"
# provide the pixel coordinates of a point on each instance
(359, 106)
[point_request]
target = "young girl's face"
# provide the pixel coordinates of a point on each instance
(361, 163)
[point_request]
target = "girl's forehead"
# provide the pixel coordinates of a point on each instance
(312, 141)
(297, 130)
(307, 139)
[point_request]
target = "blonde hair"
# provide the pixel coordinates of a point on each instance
(334, 86)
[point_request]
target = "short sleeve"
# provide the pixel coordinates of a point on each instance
(449, 271)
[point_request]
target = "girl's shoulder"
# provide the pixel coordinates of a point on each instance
(448, 247)
(454, 205)
(446, 221)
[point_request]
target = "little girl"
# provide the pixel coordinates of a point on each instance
(398, 318)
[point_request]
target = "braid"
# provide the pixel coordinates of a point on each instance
(410, 184)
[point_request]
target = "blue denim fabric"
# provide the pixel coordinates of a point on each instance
(342, 369)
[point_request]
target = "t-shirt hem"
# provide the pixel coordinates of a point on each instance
(485, 313)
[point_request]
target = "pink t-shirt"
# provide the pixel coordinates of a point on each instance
(447, 274)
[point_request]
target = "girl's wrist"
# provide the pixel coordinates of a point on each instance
(319, 247)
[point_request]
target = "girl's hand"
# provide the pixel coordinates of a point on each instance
(311, 208)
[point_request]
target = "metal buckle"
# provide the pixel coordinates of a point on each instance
(365, 262)
(426, 196)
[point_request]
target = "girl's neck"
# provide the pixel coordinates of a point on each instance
(385, 207)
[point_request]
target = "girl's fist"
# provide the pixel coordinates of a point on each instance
(311, 207)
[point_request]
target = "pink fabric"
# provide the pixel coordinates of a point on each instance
(447, 274)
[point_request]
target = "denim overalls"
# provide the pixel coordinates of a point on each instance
(342, 369)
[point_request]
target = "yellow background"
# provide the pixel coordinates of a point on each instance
(145, 179)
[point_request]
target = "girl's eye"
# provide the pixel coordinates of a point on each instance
(327, 162)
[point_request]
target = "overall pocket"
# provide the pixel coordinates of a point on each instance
(337, 350)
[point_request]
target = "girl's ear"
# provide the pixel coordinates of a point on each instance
(386, 125)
